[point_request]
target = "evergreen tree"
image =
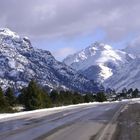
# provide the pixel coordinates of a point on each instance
(33, 97)
(66, 97)
(2, 99)
(78, 98)
(4, 106)
(124, 93)
(89, 98)
(45, 99)
(135, 93)
(130, 91)
(55, 98)
(100, 97)
(10, 97)
(22, 96)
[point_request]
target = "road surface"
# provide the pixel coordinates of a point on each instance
(128, 127)
(89, 122)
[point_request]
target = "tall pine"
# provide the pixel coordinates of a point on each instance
(4, 106)
(2, 99)
(33, 97)
(10, 97)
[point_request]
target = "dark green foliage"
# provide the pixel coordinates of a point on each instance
(135, 93)
(4, 106)
(130, 91)
(3, 102)
(46, 99)
(78, 98)
(33, 97)
(100, 97)
(89, 98)
(22, 96)
(55, 98)
(123, 94)
(10, 97)
(65, 98)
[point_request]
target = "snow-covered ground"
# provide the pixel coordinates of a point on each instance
(43, 112)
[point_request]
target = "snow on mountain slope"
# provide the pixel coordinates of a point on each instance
(98, 61)
(20, 62)
(127, 77)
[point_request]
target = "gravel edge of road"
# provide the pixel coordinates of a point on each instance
(128, 125)
(107, 132)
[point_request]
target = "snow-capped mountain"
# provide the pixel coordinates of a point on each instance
(98, 61)
(20, 62)
(127, 77)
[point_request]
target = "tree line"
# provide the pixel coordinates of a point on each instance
(35, 97)
(130, 93)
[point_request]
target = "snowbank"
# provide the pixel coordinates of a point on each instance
(48, 111)
(5, 116)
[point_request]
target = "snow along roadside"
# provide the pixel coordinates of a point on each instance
(47, 111)
(42, 112)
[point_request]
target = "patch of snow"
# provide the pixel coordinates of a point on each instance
(6, 116)
(106, 72)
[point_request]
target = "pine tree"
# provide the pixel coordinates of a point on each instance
(88, 98)
(77, 98)
(100, 97)
(2, 99)
(46, 100)
(4, 106)
(10, 97)
(33, 97)
(135, 93)
(55, 98)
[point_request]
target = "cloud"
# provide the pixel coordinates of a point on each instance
(70, 18)
(133, 46)
(63, 52)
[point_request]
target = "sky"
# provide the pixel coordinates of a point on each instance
(67, 26)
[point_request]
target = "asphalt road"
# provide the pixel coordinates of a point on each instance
(87, 122)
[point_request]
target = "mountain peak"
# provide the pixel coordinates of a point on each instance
(12, 39)
(100, 46)
(8, 32)
(98, 59)
(20, 63)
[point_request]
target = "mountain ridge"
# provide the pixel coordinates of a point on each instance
(20, 63)
(101, 57)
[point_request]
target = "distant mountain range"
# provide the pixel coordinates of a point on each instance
(127, 77)
(20, 62)
(85, 71)
(116, 69)
(99, 61)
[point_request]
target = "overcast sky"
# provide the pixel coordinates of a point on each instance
(66, 26)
